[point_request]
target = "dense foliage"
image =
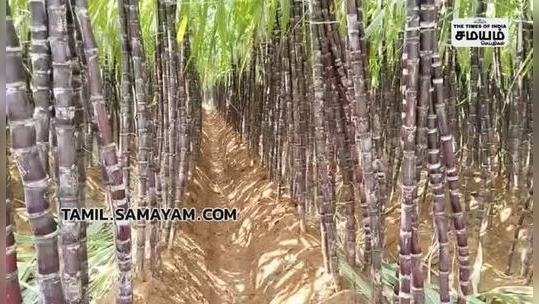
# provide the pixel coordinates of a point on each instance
(359, 111)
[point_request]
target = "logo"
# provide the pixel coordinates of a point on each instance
(480, 32)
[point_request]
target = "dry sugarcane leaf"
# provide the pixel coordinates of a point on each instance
(505, 213)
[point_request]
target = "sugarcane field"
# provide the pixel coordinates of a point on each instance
(268, 152)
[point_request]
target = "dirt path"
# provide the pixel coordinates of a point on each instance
(260, 258)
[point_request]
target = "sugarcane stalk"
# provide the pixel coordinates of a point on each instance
(20, 110)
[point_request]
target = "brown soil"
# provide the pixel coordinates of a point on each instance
(260, 258)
